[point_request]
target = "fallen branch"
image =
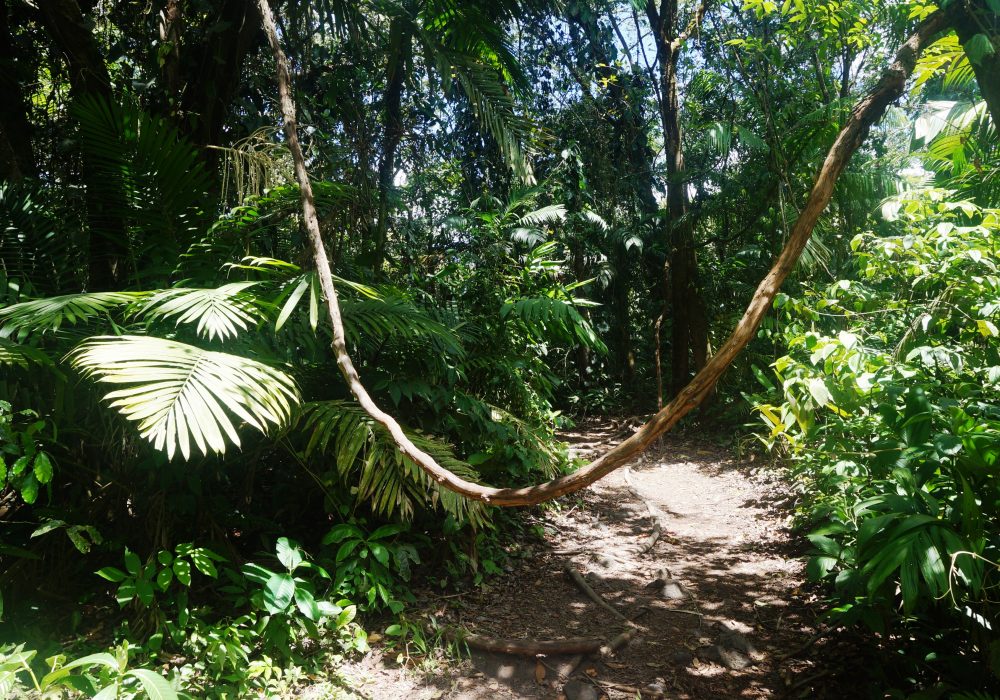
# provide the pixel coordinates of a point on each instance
(582, 584)
(868, 110)
(630, 689)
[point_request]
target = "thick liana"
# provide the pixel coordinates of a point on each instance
(868, 110)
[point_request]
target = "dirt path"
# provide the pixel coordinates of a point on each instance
(687, 542)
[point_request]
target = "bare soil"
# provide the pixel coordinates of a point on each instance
(691, 545)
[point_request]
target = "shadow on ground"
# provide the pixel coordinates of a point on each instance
(725, 620)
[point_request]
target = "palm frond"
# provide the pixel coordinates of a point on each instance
(374, 320)
(152, 178)
(24, 356)
(544, 215)
(390, 482)
(494, 107)
(219, 313)
(554, 319)
(41, 315)
(179, 394)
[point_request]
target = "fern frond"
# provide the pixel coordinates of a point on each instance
(179, 394)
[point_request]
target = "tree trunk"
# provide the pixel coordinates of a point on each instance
(88, 75)
(865, 113)
(17, 159)
(171, 29)
(214, 75)
(688, 325)
(400, 47)
(972, 17)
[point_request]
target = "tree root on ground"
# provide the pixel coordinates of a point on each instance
(530, 647)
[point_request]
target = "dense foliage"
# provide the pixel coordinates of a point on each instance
(536, 210)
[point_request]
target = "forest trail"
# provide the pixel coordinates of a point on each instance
(688, 542)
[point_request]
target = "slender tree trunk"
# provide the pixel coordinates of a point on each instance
(400, 48)
(628, 123)
(972, 17)
(865, 113)
(17, 159)
(688, 327)
(171, 29)
(88, 75)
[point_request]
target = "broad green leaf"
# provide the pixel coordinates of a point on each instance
(155, 685)
(288, 554)
(182, 570)
(112, 574)
(278, 592)
(43, 468)
(306, 603)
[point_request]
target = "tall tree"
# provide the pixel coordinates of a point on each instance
(88, 75)
(683, 295)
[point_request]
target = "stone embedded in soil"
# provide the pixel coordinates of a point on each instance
(672, 590)
(681, 658)
(578, 690)
(730, 658)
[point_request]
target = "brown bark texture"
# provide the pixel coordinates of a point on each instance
(866, 112)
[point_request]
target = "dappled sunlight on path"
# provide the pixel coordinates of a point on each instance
(687, 542)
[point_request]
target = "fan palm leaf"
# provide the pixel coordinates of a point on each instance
(219, 313)
(179, 394)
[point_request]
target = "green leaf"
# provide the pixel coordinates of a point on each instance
(164, 557)
(345, 549)
(29, 489)
(144, 589)
(340, 532)
(20, 464)
(306, 604)
(164, 578)
(256, 573)
(289, 554)
(43, 468)
(182, 570)
(203, 562)
(278, 592)
(110, 573)
(132, 562)
(818, 567)
(385, 531)
(380, 553)
(47, 527)
(102, 659)
(155, 685)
